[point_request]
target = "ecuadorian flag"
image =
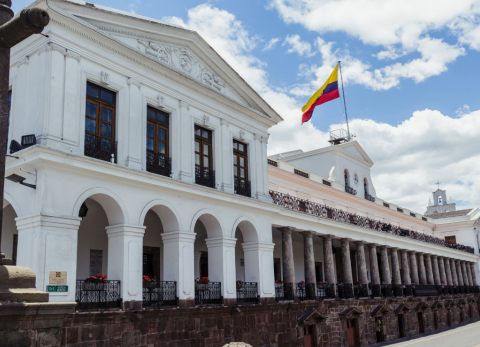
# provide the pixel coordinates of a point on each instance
(329, 91)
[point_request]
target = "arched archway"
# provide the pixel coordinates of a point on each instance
(9, 228)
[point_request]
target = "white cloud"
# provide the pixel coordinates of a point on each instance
(271, 44)
(408, 157)
(297, 45)
(461, 111)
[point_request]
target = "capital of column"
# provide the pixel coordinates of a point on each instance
(286, 230)
(359, 243)
(462, 262)
(393, 248)
(220, 242)
(421, 253)
(403, 251)
(327, 236)
(411, 252)
(345, 240)
(178, 236)
(383, 247)
(434, 256)
(373, 245)
(308, 233)
(125, 230)
(182, 103)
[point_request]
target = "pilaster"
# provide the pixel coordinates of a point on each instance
(227, 150)
(259, 268)
(136, 124)
(186, 144)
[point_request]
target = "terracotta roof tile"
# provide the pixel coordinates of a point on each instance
(449, 214)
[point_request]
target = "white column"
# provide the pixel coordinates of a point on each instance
(136, 124)
(55, 103)
(125, 261)
(259, 267)
(221, 265)
(179, 264)
(49, 243)
(186, 173)
(227, 157)
(70, 104)
(197, 257)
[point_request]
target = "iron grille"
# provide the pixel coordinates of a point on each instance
(407, 290)
(159, 164)
(327, 183)
(205, 177)
(325, 291)
(102, 295)
(398, 290)
(375, 290)
(272, 162)
(100, 148)
(386, 205)
(305, 291)
(242, 187)
(284, 291)
(300, 173)
(425, 290)
(338, 215)
(345, 291)
(360, 290)
(387, 290)
(208, 293)
(369, 197)
(247, 293)
(350, 190)
(159, 294)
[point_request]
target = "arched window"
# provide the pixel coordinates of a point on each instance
(347, 178)
(440, 200)
(365, 186)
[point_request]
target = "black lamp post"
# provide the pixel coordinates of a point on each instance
(12, 31)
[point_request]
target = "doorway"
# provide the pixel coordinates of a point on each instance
(460, 315)
(401, 326)
(277, 269)
(352, 333)
(421, 328)
(379, 328)
(308, 337)
(204, 265)
(435, 324)
(151, 262)
(448, 318)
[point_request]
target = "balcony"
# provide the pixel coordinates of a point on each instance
(345, 291)
(100, 148)
(159, 294)
(159, 164)
(284, 291)
(305, 291)
(205, 177)
(369, 197)
(247, 292)
(325, 291)
(208, 293)
(98, 295)
(360, 290)
(242, 187)
(350, 190)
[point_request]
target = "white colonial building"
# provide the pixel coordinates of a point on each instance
(150, 158)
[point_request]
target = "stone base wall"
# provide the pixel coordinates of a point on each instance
(274, 325)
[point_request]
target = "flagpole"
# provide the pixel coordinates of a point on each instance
(344, 103)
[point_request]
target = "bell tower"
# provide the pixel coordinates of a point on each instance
(440, 203)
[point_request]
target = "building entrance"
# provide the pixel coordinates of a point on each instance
(352, 333)
(308, 337)
(421, 329)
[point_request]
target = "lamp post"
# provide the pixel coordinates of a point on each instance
(12, 31)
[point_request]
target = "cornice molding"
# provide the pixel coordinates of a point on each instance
(25, 60)
(133, 81)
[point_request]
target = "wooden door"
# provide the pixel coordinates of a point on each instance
(308, 337)
(379, 329)
(401, 328)
(352, 332)
(421, 329)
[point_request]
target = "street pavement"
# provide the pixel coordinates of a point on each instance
(464, 336)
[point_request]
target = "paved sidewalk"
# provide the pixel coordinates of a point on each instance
(464, 336)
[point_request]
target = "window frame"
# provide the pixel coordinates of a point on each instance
(101, 103)
(451, 239)
(203, 141)
(240, 154)
(157, 124)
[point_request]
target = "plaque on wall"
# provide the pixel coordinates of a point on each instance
(57, 277)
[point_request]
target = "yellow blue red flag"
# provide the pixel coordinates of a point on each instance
(329, 91)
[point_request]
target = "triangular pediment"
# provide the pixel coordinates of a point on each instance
(421, 305)
(351, 311)
(402, 307)
(310, 317)
(379, 309)
(356, 150)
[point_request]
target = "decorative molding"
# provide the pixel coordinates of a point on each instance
(104, 77)
(182, 103)
(25, 60)
(224, 121)
(265, 140)
(206, 120)
(134, 82)
(73, 55)
(241, 135)
(257, 137)
(50, 46)
(160, 101)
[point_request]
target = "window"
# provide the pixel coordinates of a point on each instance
(412, 214)
(240, 160)
(347, 178)
(450, 239)
(425, 219)
(386, 205)
(204, 173)
(399, 209)
(327, 183)
(158, 160)
(300, 173)
(100, 123)
(440, 200)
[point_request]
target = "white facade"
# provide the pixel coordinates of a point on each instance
(150, 63)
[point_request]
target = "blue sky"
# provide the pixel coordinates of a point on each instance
(411, 71)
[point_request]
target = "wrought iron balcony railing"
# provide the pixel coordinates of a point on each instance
(247, 293)
(375, 290)
(159, 294)
(159, 164)
(425, 290)
(208, 293)
(284, 291)
(360, 290)
(345, 291)
(338, 215)
(242, 187)
(397, 290)
(100, 148)
(407, 290)
(350, 190)
(325, 291)
(387, 290)
(100, 295)
(305, 291)
(369, 197)
(205, 177)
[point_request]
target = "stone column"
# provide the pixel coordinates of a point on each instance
(125, 261)
(328, 258)
(287, 255)
(413, 267)
(428, 269)
(459, 273)
(395, 267)
(474, 275)
(374, 263)
(436, 271)
(309, 256)
(453, 267)
(464, 273)
(443, 276)
(362, 263)
(422, 276)
(469, 273)
(346, 262)
(448, 271)
(405, 270)
(386, 277)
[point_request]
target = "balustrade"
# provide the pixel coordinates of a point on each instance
(242, 187)
(375, 290)
(159, 294)
(205, 177)
(98, 295)
(387, 290)
(398, 290)
(159, 164)
(100, 148)
(425, 290)
(305, 291)
(407, 290)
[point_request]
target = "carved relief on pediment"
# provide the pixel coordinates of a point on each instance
(182, 60)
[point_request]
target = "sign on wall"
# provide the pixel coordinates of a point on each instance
(57, 277)
(57, 289)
